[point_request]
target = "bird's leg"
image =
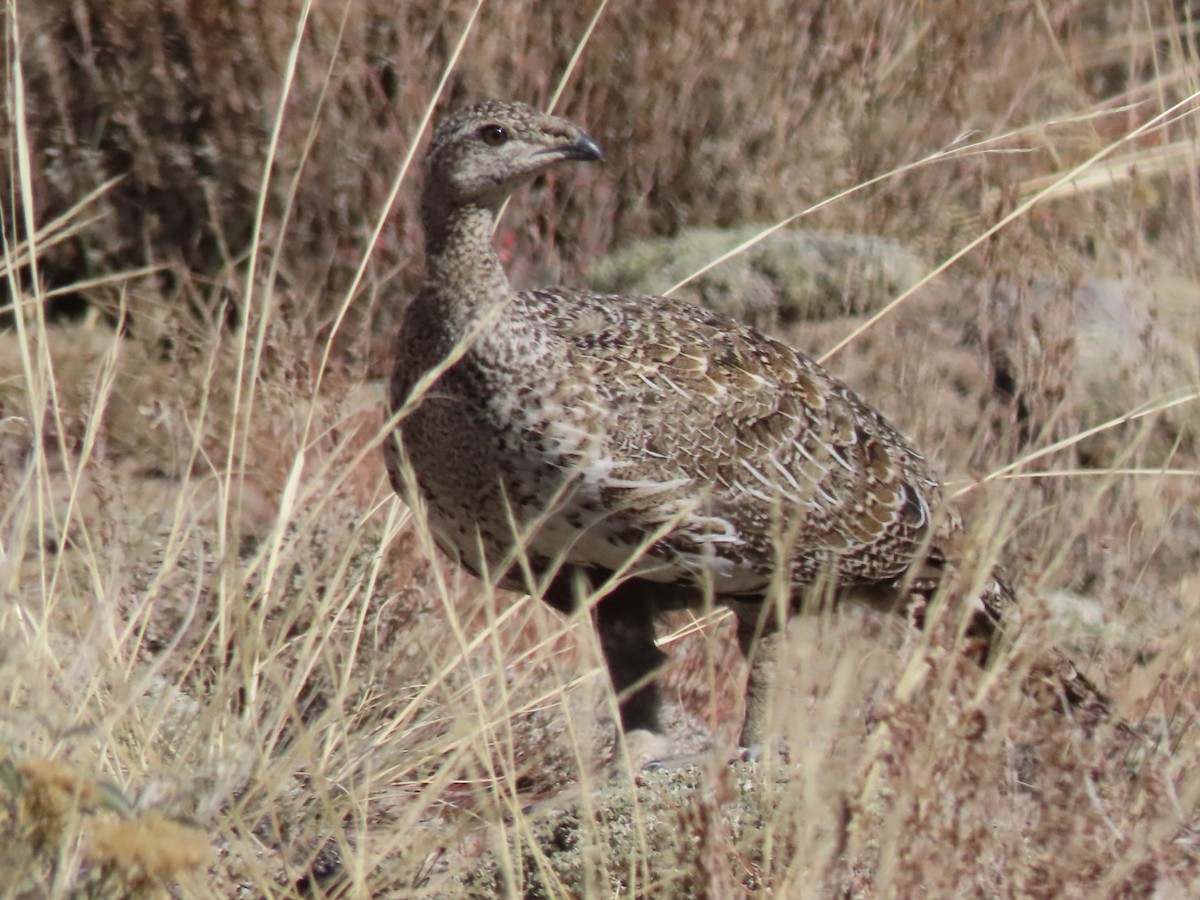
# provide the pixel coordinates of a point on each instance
(625, 624)
(759, 636)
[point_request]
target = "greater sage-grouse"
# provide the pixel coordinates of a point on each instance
(563, 443)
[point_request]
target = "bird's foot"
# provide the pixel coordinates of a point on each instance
(644, 749)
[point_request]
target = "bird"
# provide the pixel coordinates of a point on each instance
(640, 454)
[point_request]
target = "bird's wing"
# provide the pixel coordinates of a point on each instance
(752, 446)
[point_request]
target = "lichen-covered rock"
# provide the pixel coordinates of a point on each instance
(790, 276)
(689, 831)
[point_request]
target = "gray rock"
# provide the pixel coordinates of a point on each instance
(1134, 346)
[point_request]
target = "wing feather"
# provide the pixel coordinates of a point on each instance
(775, 455)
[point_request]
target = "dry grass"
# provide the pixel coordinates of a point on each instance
(232, 662)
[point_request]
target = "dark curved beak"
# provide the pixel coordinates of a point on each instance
(582, 148)
(585, 149)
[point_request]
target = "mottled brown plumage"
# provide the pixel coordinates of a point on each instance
(555, 437)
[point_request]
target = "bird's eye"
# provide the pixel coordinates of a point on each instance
(493, 135)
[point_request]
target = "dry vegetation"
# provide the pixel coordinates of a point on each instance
(232, 664)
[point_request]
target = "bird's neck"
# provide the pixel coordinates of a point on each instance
(461, 267)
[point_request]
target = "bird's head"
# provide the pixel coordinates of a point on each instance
(485, 152)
